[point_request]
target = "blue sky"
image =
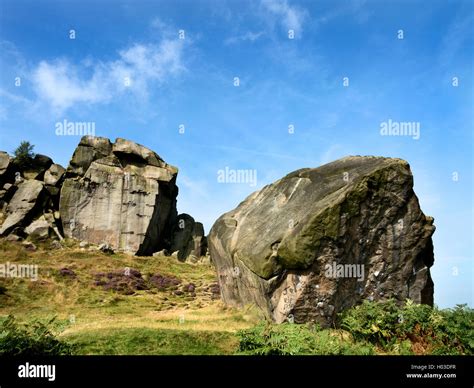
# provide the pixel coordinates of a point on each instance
(283, 82)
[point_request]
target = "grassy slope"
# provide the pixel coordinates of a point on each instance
(106, 322)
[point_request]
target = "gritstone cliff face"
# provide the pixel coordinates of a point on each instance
(121, 194)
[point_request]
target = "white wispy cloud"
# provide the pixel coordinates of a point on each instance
(59, 84)
(10, 51)
(158, 24)
(5, 94)
(246, 37)
(290, 17)
(62, 84)
(356, 9)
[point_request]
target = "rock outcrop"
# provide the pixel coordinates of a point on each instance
(53, 175)
(38, 167)
(321, 240)
(4, 163)
(121, 194)
(21, 208)
(39, 229)
(89, 149)
(188, 238)
(29, 197)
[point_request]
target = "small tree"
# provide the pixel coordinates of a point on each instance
(24, 154)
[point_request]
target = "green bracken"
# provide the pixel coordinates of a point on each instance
(37, 337)
(435, 331)
(370, 328)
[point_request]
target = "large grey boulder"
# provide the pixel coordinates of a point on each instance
(21, 208)
(188, 238)
(6, 169)
(122, 195)
(39, 165)
(137, 153)
(4, 162)
(38, 229)
(90, 148)
(53, 179)
(53, 175)
(6, 193)
(321, 240)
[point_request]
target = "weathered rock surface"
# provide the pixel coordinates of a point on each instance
(53, 179)
(39, 228)
(123, 195)
(6, 193)
(137, 153)
(4, 162)
(119, 196)
(321, 240)
(22, 205)
(188, 238)
(39, 165)
(54, 174)
(89, 149)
